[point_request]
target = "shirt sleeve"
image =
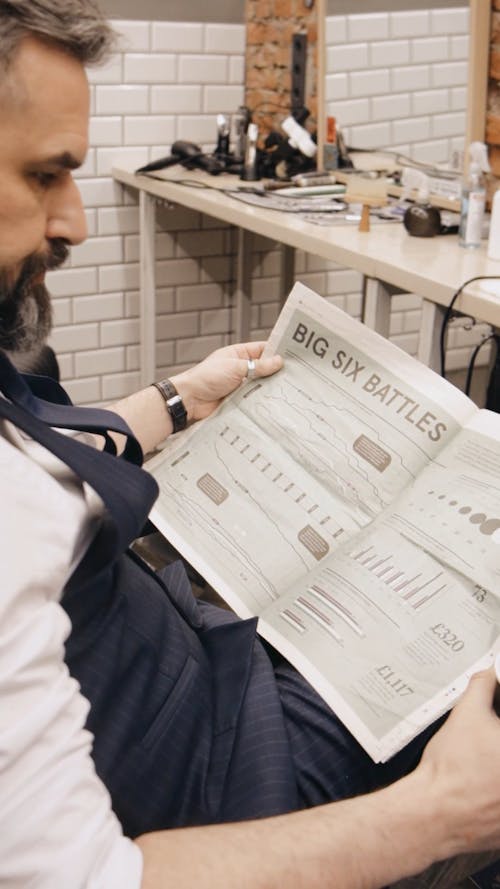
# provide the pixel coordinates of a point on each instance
(57, 828)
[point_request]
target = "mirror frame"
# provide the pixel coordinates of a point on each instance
(321, 80)
(477, 88)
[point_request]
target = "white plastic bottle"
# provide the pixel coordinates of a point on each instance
(494, 236)
(473, 197)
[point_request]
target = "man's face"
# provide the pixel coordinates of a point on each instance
(44, 107)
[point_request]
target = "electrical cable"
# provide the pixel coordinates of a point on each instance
(449, 310)
(470, 369)
(189, 183)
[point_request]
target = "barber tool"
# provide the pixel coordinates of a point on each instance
(305, 191)
(190, 156)
(368, 193)
(239, 125)
(276, 184)
(249, 172)
(181, 152)
(298, 137)
(304, 180)
(222, 147)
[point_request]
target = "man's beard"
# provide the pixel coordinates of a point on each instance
(25, 308)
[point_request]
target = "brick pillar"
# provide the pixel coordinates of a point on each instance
(270, 26)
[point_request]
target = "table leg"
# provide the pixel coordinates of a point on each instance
(147, 228)
(429, 352)
(287, 271)
(376, 311)
(243, 294)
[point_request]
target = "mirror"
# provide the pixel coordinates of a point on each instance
(405, 75)
(397, 73)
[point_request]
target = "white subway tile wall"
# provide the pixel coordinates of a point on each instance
(394, 79)
(401, 70)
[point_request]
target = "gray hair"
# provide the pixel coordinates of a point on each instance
(76, 26)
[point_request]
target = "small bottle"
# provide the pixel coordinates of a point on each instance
(330, 150)
(494, 236)
(473, 197)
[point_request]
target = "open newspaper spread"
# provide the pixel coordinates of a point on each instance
(352, 502)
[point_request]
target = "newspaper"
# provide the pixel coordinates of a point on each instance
(351, 502)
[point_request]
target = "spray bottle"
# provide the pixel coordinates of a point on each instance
(474, 196)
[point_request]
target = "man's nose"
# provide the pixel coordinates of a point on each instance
(66, 216)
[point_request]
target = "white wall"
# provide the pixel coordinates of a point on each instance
(168, 82)
(399, 80)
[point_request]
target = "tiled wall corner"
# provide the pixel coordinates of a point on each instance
(393, 78)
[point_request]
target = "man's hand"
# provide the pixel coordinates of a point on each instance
(463, 765)
(201, 388)
(204, 386)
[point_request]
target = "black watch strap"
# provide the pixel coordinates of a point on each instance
(174, 403)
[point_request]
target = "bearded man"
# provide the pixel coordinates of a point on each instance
(129, 708)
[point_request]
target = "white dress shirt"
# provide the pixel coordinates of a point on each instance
(57, 829)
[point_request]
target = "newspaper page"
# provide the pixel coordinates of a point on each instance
(453, 509)
(396, 636)
(273, 499)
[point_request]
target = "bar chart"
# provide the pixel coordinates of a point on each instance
(416, 588)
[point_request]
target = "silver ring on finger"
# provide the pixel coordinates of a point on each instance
(251, 368)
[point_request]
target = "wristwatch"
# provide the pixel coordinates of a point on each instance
(174, 403)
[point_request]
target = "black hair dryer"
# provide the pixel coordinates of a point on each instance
(182, 152)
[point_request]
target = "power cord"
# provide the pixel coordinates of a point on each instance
(472, 362)
(449, 311)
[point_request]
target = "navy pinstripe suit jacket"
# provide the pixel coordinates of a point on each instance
(185, 710)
